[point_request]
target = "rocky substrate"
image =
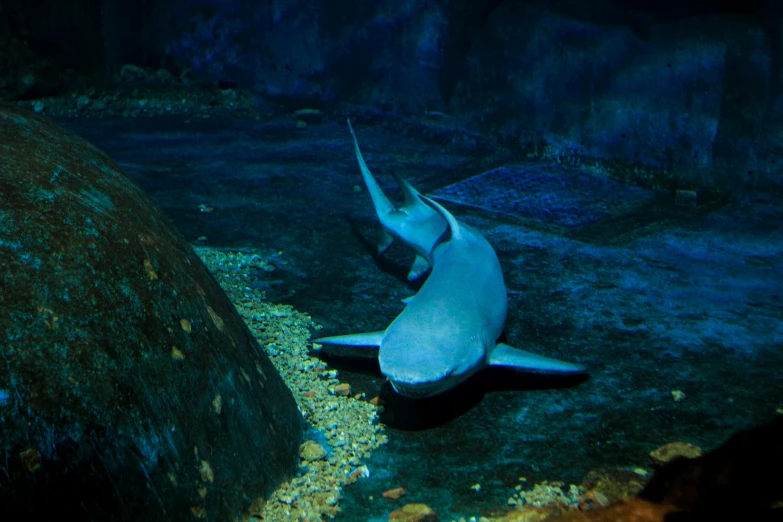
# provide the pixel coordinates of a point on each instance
(345, 430)
(344, 425)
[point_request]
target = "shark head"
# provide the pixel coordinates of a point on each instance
(421, 382)
(419, 367)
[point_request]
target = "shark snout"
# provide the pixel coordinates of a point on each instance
(417, 384)
(429, 371)
(419, 390)
(414, 370)
(413, 379)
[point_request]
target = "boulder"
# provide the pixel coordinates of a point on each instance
(740, 480)
(130, 388)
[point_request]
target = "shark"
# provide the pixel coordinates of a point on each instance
(450, 328)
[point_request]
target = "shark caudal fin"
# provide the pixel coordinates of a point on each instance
(382, 204)
(383, 207)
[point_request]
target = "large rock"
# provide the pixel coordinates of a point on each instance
(740, 480)
(130, 389)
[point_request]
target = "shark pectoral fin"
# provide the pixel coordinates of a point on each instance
(361, 339)
(384, 243)
(420, 267)
(408, 299)
(508, 356)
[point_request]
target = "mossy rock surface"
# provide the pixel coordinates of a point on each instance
(130, 389)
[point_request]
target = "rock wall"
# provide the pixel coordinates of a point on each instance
(691, 87)
(697, 95)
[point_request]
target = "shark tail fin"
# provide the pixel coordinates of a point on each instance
(382, 204)
(510, 357)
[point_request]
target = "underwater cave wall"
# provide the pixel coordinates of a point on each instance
(694, 89)
(693, 92)
(692, 95)
(386, 53)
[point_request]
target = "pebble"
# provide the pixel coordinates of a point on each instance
(342, 389)
(350, 425)
(672, 451)
(312, 451)
(394, 494)
(414, 513)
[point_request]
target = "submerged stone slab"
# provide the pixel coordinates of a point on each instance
(550, 193)
(130, 389)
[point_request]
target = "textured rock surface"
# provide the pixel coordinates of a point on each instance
(737, 481)
(672, 451)
(631, 510)
(129, 386)
(740, 479)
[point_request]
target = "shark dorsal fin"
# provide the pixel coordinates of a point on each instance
(410, 193)
(454, 226)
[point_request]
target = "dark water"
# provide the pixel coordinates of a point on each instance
(656, 299)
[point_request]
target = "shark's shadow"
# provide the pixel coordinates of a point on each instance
(400, 412)
(403, 413)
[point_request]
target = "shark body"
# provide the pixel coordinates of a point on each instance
(449, 329)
